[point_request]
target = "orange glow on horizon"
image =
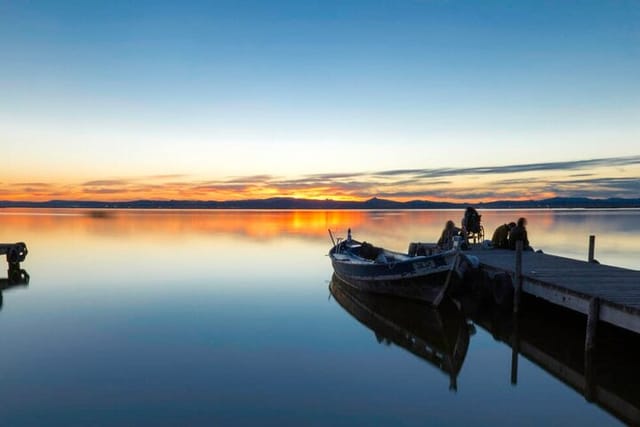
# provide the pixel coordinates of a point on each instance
(430, 185)
(223, 196)
(391, 229)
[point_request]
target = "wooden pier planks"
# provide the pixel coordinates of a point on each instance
(573, 284)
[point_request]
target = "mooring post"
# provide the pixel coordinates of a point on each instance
(517, 283)
(592, 247)
(590, 345)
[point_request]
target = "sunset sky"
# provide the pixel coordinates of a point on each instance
(403, 99)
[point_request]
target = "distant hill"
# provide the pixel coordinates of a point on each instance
(292, 203)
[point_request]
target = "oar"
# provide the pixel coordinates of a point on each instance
(332, 239)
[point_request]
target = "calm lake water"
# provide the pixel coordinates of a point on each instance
(226, 317)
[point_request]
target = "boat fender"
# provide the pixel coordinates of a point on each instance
(503, 291)
(478, 286)
(482, 287)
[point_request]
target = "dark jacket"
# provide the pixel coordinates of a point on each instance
(446, 238)
(518, 233)
(500, 237)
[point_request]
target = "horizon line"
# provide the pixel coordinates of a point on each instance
(5, 203)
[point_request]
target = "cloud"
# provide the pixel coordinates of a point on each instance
(33, 184)
(603, 177)
(218, 187)
(251, 178)
(104, 182)
(519, 181)
(510, 169)
(166, 176)
(580, 175)
(328, 176)
(104, 191)
(602, 187)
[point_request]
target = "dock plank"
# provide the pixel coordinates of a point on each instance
(573, 283)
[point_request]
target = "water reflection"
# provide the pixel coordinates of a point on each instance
(16, 276)
(224, 314)
(550, 337)
(438, 335)
(554, 340)
(560, 232)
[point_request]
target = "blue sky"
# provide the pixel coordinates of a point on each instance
(219, 90)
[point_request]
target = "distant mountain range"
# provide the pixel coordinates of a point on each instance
(292, 203)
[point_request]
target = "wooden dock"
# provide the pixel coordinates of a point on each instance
(602, 292)
(15, 252)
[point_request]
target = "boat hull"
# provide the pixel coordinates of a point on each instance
(423, 278)
(424, 288)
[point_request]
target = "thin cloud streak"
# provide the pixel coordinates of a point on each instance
(104, 182)
(613, 177)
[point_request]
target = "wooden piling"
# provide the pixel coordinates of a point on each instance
(592, 248)
(592, 323)
(589, 347)
(517, 282)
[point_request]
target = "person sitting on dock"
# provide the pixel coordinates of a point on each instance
(500, 238)
(519, 232)
(446, 238)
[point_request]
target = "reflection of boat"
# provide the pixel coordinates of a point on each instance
(438, 335)
(372, 269)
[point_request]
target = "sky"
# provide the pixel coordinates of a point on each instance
(402, 99)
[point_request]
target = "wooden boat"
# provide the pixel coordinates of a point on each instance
(439, 335)
(372, 269)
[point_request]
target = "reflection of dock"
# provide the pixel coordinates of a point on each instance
(16, 276)
(553, 339)
(606, 293)
(438, 335)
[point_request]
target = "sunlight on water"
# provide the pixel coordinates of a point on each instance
(201, 317)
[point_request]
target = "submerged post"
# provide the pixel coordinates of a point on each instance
(515, 349)
(592, 247)
(517, 283)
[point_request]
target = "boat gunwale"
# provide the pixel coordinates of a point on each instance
(352, 258)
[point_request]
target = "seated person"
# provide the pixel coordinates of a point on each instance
(446, 238)
(519, 232)
(500, 239)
